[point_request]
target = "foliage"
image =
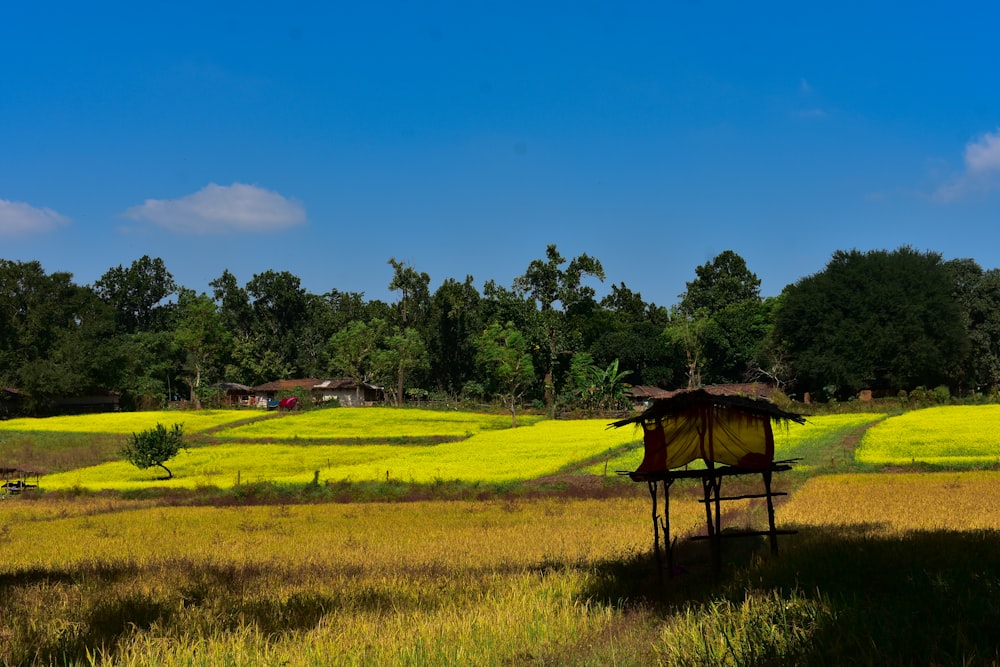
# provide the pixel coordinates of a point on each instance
(154, 447)
(502, 351)
(720, 322)
(596, 388)
(548, 284)
(720, 284)
(876, 320)
(890, 322)
(137, 293)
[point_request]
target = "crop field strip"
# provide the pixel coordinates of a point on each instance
(488, 456)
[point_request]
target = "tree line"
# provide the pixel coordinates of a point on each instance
(888, 321)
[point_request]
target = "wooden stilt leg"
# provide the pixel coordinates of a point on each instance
(711, 489)
(656, 531)
(665, 523)
(771, 530)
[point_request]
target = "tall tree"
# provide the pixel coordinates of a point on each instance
(720, 283)
(279, 310)
(722, 309)
(414, 289)
(404, 352)
(502, 351)
(136, 294)
(977, 294)
(353, 349)
(454, 320)
(878, 320)
(54, 335)
(558, 291)
(202, 338)
(628, 329)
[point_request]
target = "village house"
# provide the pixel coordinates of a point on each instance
(345, 390)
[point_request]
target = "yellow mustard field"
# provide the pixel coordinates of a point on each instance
(128, 422)
(523, 453)
(957, 435)
(372, 424)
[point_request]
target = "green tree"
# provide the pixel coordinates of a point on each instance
(630, 330)
(454, 321)
(880, 320)
(720, 283)
(403, 353)
(56, 337)
(414, 289)
(280, 309)
(687, 332)
(977, 293)
(722, 310)
(558, 292)
(201, 336)
(154, 447)
(502, 351)
(353, 349)
(137, 294)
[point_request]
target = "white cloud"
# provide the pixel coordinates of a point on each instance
(983, 155)
(982, 169)
(220, 208)
(20, 218)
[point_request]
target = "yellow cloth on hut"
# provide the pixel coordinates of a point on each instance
(709, 432)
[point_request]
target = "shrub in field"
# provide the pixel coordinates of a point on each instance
(154, 447)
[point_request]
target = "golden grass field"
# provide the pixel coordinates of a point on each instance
(110, 580)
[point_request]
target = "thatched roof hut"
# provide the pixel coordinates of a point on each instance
(728, 429)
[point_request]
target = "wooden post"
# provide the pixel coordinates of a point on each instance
(771, 530)
(651, 485)
(711, 489)
(666, 527)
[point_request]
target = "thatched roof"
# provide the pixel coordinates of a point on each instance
(683, 401)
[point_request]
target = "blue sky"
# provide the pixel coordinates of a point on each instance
(463, 137)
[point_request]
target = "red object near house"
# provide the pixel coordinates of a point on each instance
(289, 403)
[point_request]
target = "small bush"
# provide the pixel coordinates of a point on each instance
(154, 447)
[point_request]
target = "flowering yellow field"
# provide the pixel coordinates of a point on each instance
(948, 435)
(127, 422)
(523, 453)
(373, 423)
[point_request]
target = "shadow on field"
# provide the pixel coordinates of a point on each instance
(846, 595)
(57, 616)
